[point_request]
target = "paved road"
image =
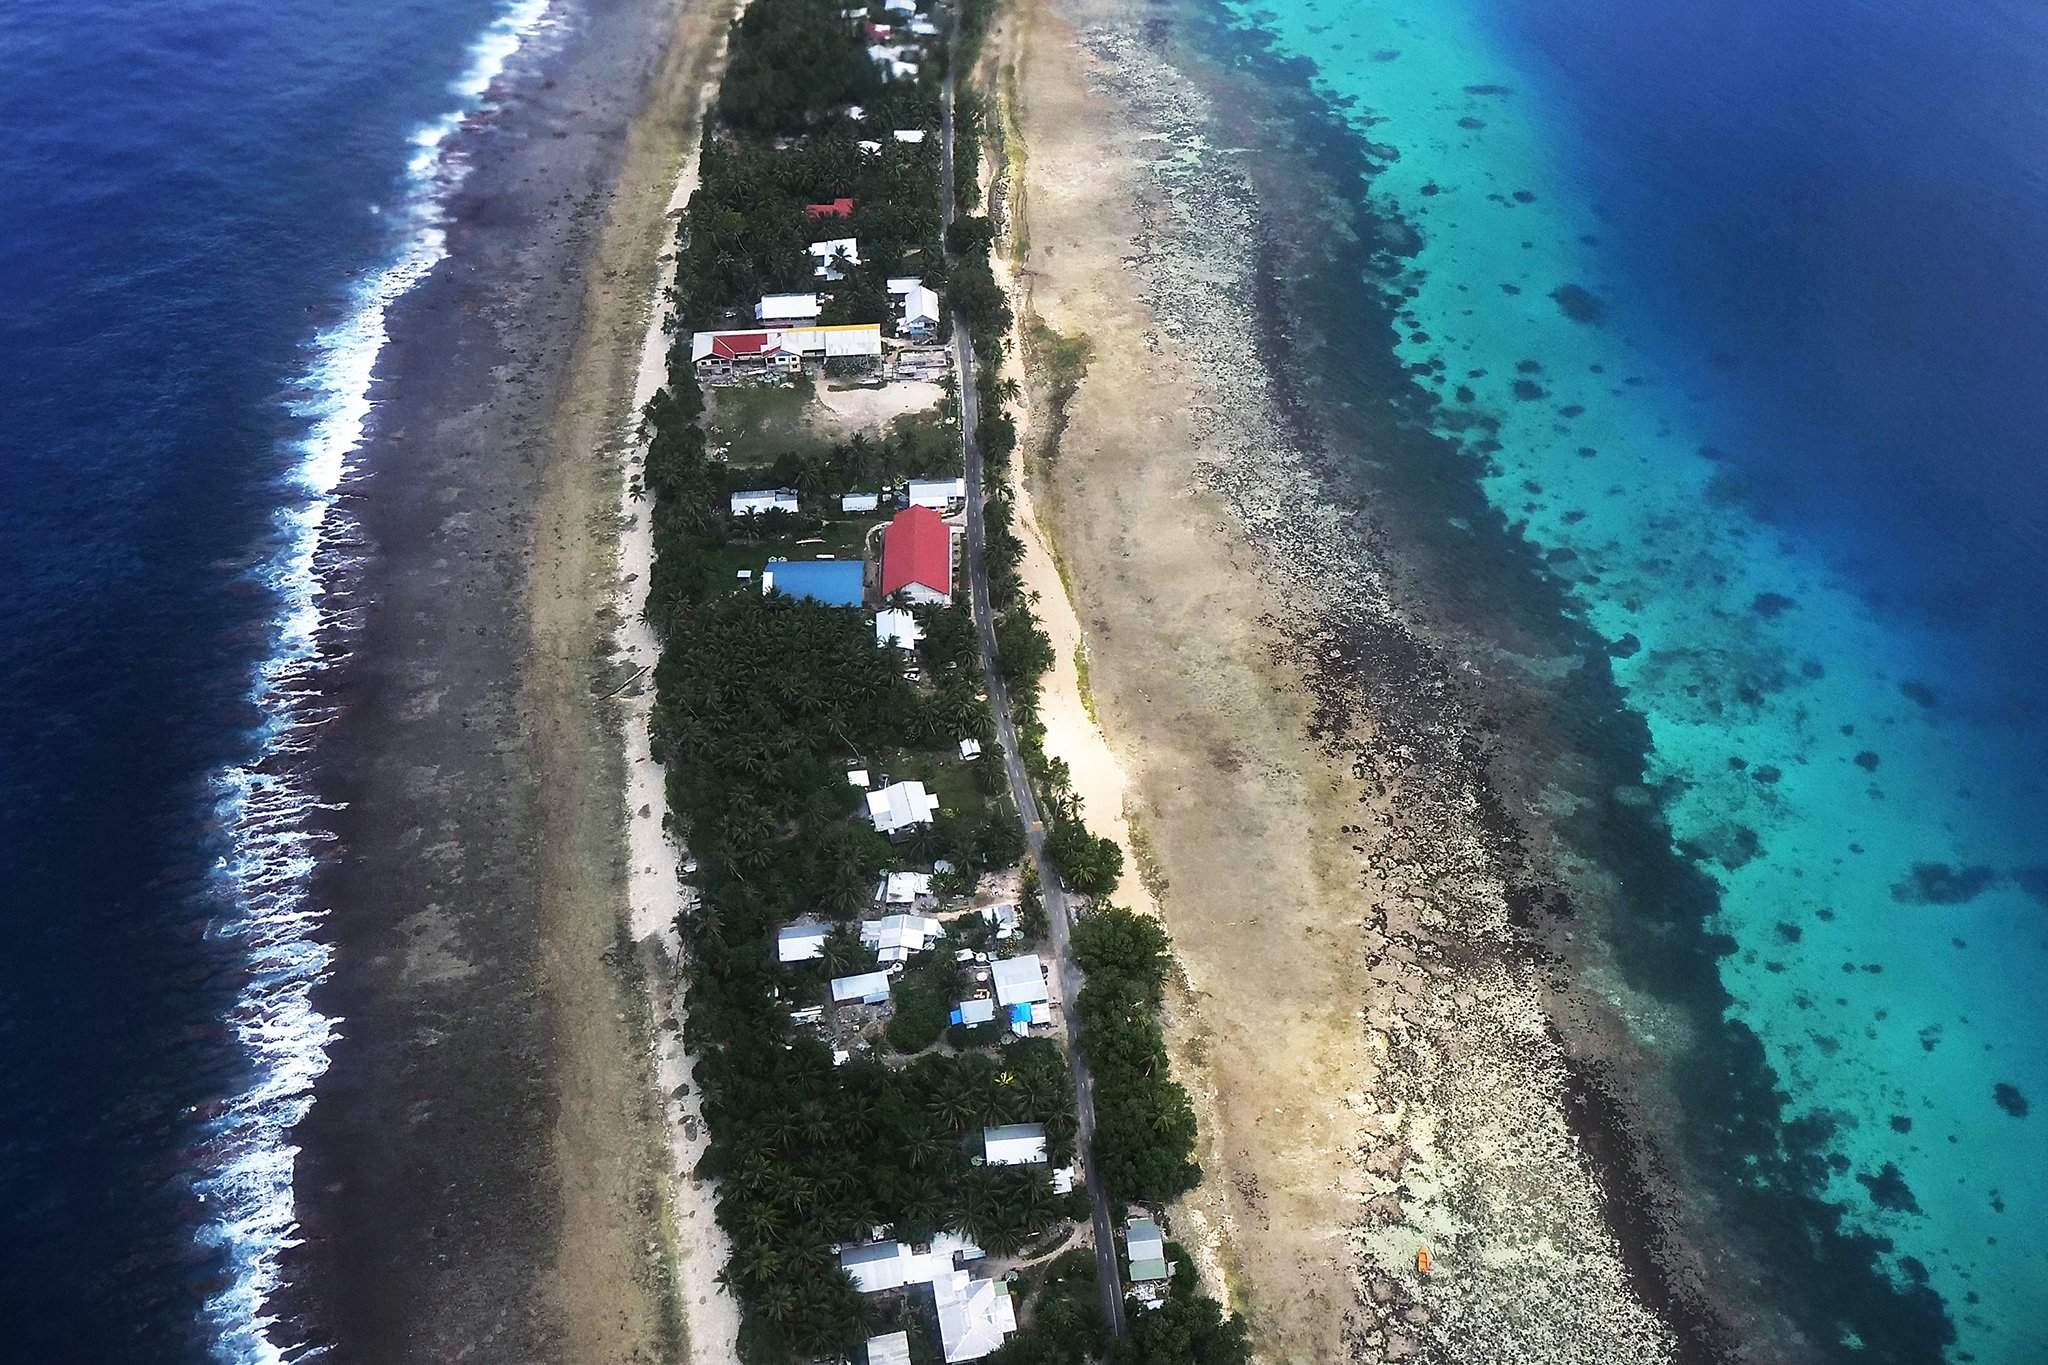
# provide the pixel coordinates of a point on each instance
(1058, 910)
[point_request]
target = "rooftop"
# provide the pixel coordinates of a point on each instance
(1019, 980)
(833, 582)
(917, 549)
(1014, 1144)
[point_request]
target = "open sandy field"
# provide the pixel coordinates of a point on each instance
(1370, 1051)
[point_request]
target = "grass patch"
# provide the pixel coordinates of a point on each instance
(1056, 363)
(1151, 875)
(752, 424)
(1081, 679)
(1016, 155)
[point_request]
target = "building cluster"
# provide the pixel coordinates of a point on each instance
(915, 565)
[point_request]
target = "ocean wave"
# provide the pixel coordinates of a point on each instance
(267, 806)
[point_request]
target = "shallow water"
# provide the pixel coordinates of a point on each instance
(1783, 450)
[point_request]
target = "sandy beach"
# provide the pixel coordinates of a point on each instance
(486, 1168)
(1371, 1046)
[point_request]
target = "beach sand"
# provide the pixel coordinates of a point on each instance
(484, 1172)
(1369, 1041)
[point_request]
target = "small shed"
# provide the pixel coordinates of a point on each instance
(895, 626)
(892, 1349)
(800, 942)
(860, 502)
(756, 500)
(972, 1012)
(868, 988)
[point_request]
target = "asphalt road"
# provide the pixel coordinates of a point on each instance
(1058, 909)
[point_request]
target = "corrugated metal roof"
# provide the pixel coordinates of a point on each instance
(917, 548)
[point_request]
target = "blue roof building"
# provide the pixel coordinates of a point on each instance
(834, 582)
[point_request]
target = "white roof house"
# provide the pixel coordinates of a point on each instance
(859, 502)
(937, 494)
(1014, 1144)
(828, 253)
(1147, 1247)
(857, 777)
(892, 1349)
(982, 1011)
(1003, 917)
(910, 135)
(920, 310)
(923, 28)
(903, 888)
(869, 988)
(974, 1315)
(899, 65)
(763, 500)
(899, 285)
(787, 308)
(900, 6)
(869, 148)
(901, 805)
(800, 942)
(895, 626)
(1019, 980)
(876, 1267)
(970, 748)
(895, 937)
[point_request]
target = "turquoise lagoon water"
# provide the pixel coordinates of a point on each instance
(1784, 450)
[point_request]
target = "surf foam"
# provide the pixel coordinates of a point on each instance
(267, 805)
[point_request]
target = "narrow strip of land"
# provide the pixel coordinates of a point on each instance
(1057, 909)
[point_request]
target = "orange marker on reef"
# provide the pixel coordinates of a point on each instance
(1422, 1261)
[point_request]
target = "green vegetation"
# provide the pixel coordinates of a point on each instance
(761, 704)
(1144, 1124)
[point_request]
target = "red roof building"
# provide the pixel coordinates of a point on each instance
(876, 33)
(917, 556)
(742, 345)
(838, 208)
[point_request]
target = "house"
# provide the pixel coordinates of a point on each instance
(781, 350)
(800, 942)
(857, 777)
(860, 502)
(876, 1267)
(867, 988)
(900, 806)
(1003, 917)
(895, 626)
(895, 937)
(830, 582)
(972, 1012)
(877, 33)
(910, 135)
(903, 888)
(1014, 1144)
(868, 148)
(1019, 980)
(937, 494)
(920, 316)
(892, 1349)
(900, 6)
(917, 557)
(974, 1315)
(829, 254)
(1147, 1248)
(1064, 1179)
(787, 308)
(923, 28)
(831, 208)
(899, 285)
(758, 500)
(970, 748)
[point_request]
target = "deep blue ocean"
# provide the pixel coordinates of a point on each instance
(1752, 297)
(206, 206)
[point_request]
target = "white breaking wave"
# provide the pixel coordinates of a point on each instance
(266, 806)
